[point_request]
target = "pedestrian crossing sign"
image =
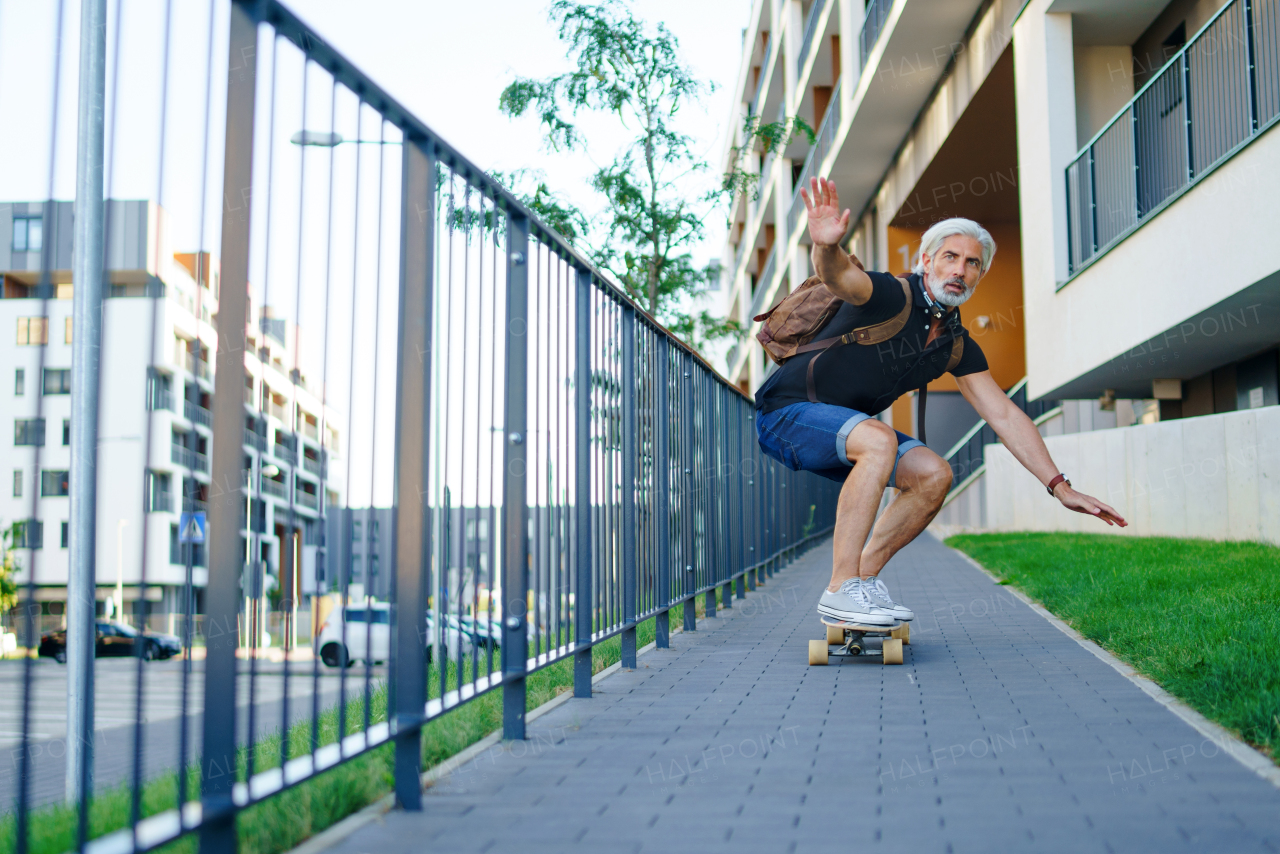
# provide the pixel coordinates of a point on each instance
(191, 528)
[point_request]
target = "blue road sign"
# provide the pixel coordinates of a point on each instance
(191, 527)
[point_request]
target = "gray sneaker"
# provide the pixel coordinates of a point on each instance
(879, 595)
(852, 605)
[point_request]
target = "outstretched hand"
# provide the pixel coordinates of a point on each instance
(827, 225)
(1087, 504)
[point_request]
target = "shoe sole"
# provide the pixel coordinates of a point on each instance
(856, 617)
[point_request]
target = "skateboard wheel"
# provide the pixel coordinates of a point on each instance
(892, 651)
(817, 652)
(835, 634)
(902, 633)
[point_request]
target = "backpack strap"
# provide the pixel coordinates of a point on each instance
(957, 351)
(874, 334)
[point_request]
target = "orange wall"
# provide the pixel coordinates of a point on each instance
(998, 297)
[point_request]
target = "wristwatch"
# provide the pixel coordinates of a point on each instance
(1061, 478)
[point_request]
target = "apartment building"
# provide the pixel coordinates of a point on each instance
(159, 334)
(1119, 153)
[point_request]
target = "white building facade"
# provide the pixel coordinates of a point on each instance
(159, 337)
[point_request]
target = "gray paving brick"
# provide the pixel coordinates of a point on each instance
(997, 733)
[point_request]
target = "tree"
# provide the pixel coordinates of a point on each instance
(8, 587)
(651, 222)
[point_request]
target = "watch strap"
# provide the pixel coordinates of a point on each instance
(1061, 478)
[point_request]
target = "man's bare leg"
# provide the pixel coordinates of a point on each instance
(923, 480)
(872, 446)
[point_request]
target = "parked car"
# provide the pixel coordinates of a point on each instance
(114, 639)
(367, 635)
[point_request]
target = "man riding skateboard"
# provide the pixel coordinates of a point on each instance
(881, 337)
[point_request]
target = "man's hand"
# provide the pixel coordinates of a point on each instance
(1082, 503)
(827, 225)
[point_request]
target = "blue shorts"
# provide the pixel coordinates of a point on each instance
(812, 436)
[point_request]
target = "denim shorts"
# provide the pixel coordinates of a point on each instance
(812, 436)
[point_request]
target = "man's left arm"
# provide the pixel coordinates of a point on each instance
(1024, 441)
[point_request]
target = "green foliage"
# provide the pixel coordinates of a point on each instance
(549, 206)
(1196, 616)
(769, 138)
(8, 587)
(623, 68)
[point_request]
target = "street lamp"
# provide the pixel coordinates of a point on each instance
(325, 139)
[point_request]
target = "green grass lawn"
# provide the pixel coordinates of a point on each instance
(1200, 618)
(289, 818)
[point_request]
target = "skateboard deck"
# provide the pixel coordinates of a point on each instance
(845, 639)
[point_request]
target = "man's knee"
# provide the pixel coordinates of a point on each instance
(871, 440)
(931, 476)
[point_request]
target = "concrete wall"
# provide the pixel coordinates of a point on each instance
(1215, 477)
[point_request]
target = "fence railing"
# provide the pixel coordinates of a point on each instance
(810, 33)
(823, 143)
(1218, 92)
(877, 12)
(965, 457)
(478, 370)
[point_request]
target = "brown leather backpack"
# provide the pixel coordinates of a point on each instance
(788, 329)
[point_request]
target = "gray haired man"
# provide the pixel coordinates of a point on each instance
(838, 436)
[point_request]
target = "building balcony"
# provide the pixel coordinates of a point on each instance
(197, 414)
(255, 440)
(288, 455)
(274, 488)
(313, 466)
(188, 458)
(307, 499)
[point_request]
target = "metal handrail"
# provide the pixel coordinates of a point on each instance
(815, 12)
(966, 455)
(1139, 162)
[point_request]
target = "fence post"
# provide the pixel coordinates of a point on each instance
(226, 505)
(583, 610)
(413, 423)
(744, 554)
(752, 515)
(688, 572)
(662, 492)
(515, 512)
(629, 564)
(710, 472)
(87, 275)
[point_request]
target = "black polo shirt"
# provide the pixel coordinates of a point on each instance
(870, 377)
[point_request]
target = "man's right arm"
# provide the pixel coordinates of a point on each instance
(827, 226)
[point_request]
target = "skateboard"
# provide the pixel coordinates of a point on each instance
(846, 640)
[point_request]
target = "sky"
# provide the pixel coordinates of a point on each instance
(446, 62)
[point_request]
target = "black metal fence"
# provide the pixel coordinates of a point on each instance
(1218, 92)
(965, 457)
(440, 444)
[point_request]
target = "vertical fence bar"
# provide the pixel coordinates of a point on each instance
(1186, 108)
(583, 612)
(629, 538)
(711, 523)
(687, 488)
(87, 276)
(1252, 63)
(740, 478)
(413, 427)
(226, 511)
(662, 489)
(515, 528)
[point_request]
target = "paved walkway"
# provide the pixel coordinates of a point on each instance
(999, 733)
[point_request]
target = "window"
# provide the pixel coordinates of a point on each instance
(66, 431)
(57, 381)
(158, 497)
(67, 331)
(65, 532)
(381, 616)
(17, 483)
(356, 535)
(19, 382)
(33, 331)
(28, 534)
(28, 431)
(28, 233)
(54, 483)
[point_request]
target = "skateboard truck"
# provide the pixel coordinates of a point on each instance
(846, 640)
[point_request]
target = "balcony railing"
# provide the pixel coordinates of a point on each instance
(274, 487)
(761, 84)
(255, 440)
(822, 145)
(872, 25)
(1221, 90)
(762, 283)
(810, 34)
(196, 413)
(307, 499)
(280, 452)
(965, 455)
(314, 466)
(160, 400)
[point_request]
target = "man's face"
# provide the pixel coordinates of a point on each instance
(952, 273)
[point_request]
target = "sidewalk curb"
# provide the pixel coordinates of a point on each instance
(1248, 756)
(334, 834)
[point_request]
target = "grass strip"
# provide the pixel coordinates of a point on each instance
(1198, 617)
(289, 818)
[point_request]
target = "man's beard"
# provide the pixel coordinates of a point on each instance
(937, 290)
